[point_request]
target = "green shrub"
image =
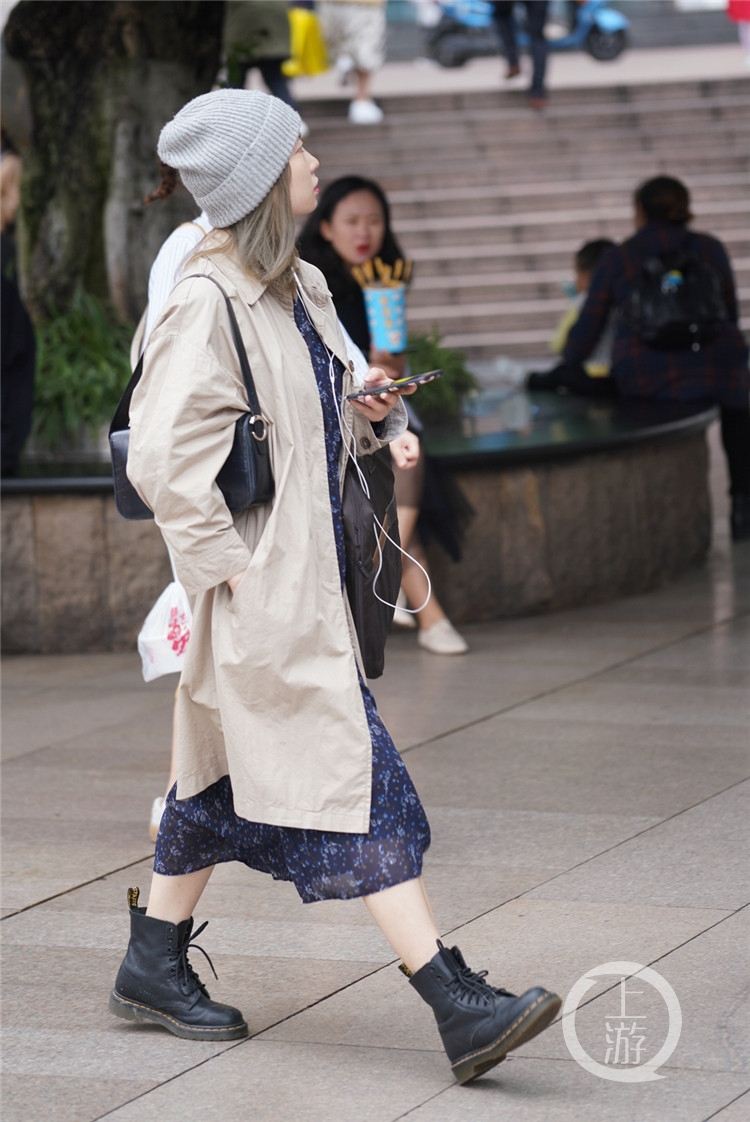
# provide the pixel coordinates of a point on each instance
(439, 401)
(82, 368)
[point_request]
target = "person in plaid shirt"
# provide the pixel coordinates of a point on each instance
(716, 373)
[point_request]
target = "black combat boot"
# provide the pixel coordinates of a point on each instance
(478, 1023)
(156, 983)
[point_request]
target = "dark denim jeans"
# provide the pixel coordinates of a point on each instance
(536, 17)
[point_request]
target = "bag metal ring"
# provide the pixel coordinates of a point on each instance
(261, 434)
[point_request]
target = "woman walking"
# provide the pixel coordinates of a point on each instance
(283, 761)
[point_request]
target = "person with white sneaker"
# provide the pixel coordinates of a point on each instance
(435, 632)
(354, 31)
(352, 225)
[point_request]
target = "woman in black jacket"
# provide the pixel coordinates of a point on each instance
(352, 225)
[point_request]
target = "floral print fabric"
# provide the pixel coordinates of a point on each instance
(204, 830)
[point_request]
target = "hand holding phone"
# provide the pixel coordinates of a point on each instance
(399, 383)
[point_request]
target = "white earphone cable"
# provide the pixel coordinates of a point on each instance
(350, 442)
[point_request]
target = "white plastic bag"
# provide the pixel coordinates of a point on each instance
(164, 636)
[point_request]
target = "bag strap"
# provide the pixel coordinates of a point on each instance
(252, 396)
(121, 419)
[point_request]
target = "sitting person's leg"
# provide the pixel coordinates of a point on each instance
(436, 633)
(735, 437)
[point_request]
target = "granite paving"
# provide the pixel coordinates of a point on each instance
(586, 775)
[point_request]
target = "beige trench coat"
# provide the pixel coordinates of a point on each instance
(269, 693)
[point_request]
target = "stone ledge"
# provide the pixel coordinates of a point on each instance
(76, 577)
(590, 528)
(576, 501)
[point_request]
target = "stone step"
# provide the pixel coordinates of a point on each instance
(579, 224)
(488, 198)
(487, 315)
(454, 169)
(568, 104)
(648, 100)
(455, 259)
(429, 129)
(538, 284)
(478, 173)
(650, 93)
(491, 201)
(466, 142)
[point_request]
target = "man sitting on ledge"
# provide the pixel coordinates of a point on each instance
(663, 271)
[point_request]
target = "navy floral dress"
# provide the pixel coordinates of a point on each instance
(204, 830)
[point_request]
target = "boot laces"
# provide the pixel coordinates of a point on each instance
(477, 980)
(472, 983)
(187, 978)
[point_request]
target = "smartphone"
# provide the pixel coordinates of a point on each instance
(412, 380)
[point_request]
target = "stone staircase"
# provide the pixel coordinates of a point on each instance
(492, 201)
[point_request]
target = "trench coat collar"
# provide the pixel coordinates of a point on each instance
(312, 288)
(310, 279)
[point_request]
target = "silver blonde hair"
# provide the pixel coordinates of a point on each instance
(264, 241)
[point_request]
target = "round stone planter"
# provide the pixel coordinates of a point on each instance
(76, 577)
(574, 502)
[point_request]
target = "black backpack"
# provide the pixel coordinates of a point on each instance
(676, 302)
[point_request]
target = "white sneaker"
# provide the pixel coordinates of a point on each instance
(344, 69)
(157, 809)
(365, 112)
(401, 618)
(442, 638)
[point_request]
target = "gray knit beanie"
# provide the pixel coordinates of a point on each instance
(230, 147)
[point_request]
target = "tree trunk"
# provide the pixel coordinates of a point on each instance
(103, 79)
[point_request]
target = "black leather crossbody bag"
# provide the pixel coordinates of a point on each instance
(245, 480)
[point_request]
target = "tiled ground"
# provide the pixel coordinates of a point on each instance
(586, 777)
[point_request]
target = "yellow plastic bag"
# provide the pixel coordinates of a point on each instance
(307, 45)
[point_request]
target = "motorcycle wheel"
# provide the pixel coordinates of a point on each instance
(605, 45)
(449, 55)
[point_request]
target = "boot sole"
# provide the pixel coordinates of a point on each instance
(531, 1022)
(143, 1014)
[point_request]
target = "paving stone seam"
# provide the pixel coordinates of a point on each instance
(156, 707)
(640, 834)
(166, 1082)
(430, 1099)
(75, 887)
(257, 1036)
(589, 677)
(714, 625)
(660, 958)
(721, 1109)
(526, 894)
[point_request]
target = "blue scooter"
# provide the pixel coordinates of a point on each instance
(467, 30)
